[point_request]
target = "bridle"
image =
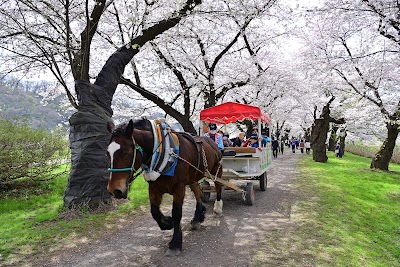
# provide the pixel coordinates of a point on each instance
(131, 169)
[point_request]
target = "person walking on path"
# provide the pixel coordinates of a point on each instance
(293, 145)
(338, 150)
(301, 145)
(307, 145)
(282, 146)
(275, 146)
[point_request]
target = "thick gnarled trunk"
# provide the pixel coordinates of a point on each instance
(319, 133)
(89, 137)
(383, 156)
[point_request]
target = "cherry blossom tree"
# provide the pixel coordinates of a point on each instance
(198, 65)
(359, 42)
(37, 34)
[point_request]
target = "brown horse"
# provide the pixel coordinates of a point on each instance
(132, 146)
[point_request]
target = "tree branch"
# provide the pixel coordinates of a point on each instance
(80, 63)
(152, 97)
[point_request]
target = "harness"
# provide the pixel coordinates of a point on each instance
(200, 149)
(165, 143)
(165, 155)
(206, 173)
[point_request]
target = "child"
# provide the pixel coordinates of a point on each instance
(253, 141)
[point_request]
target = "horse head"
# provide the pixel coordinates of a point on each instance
(125, 158)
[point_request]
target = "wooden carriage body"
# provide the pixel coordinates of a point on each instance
(240, 163)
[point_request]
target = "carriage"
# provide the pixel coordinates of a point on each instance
(170, 161)
(239, 163)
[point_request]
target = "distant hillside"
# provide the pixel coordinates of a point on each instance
(39, 106)
(19, 103)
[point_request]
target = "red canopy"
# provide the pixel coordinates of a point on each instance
(230, 112)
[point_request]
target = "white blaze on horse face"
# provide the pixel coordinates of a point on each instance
(112, 148)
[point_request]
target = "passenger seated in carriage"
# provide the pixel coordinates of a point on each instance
(226, 141)
(253, 141)
(263, 137)
(238, 141)
(216, 137)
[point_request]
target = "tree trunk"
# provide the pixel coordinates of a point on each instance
(319, 133)
(187, 126)
(286, 134)
(383, 156)
(249, 126)
(89, 137)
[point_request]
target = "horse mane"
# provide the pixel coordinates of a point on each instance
(142, 124)
(119, 129)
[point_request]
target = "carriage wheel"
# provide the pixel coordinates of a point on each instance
(205, 196)
(250, 194)
(263, 181)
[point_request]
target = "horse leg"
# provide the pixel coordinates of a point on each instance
(199, 214)
(218, 202)
(175, 245)
(165, 222)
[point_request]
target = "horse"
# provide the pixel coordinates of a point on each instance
(131, 147)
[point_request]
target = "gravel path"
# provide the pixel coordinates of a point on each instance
(231, 239)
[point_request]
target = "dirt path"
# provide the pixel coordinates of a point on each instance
(231, 239)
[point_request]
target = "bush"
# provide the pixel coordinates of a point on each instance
(370, 151)
(29, 154)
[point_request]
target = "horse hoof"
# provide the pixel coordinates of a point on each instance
(218, 206)
(172, 252)
(195, 226)
(166, 223)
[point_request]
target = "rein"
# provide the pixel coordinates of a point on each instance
(206, 173)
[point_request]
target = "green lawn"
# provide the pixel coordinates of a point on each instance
(35, 221)
(346, 215)
(360, 211)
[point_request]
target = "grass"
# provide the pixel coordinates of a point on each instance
(33, 222)
(347, 215)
